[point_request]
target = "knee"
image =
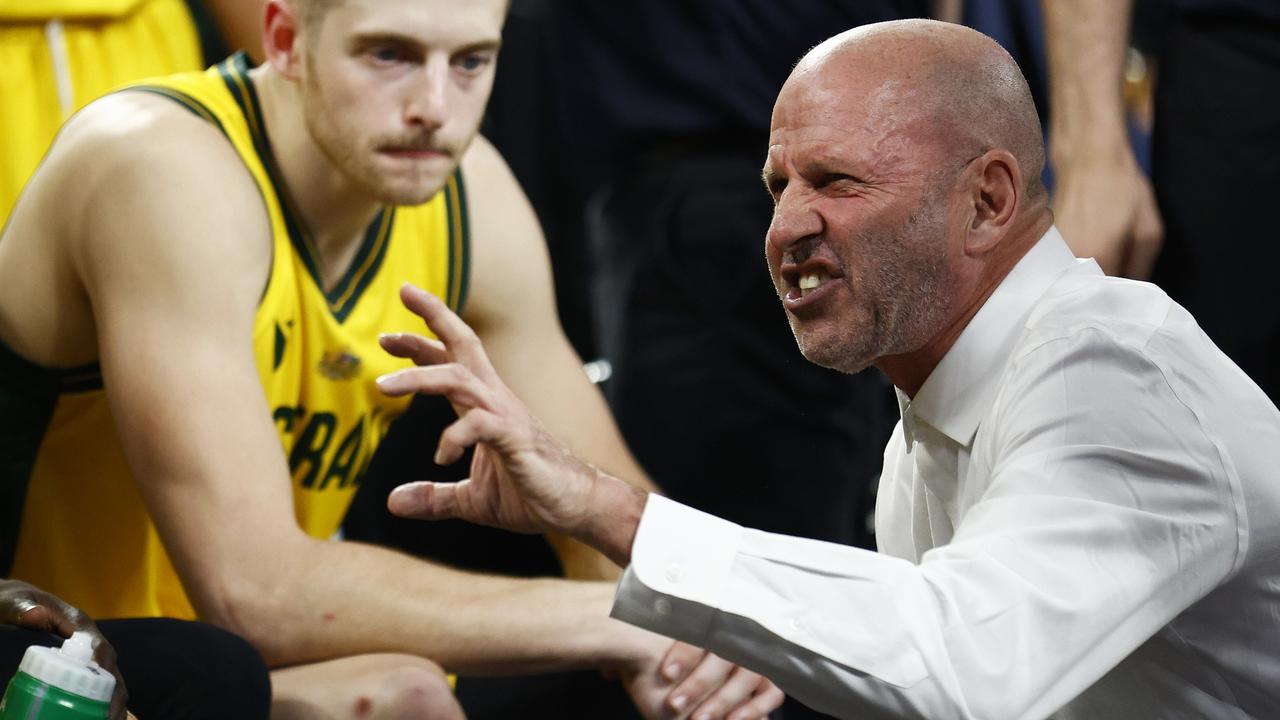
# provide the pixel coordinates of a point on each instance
(416, 688)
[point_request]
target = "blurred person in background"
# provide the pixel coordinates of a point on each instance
(57, 55)
(1198, 227)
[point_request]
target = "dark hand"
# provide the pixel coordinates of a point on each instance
(28, 607)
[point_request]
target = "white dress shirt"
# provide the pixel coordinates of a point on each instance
(1079, 516)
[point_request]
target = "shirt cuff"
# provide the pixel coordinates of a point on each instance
(680, 564)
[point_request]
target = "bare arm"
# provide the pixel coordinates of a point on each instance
(512, 309)
(174, 254)
(1103, 203)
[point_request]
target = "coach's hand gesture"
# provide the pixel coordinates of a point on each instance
(522, 479)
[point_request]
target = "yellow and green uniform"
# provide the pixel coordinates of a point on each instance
(83, 532)
(57, 55)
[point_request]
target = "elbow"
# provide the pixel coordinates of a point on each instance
(258, 602)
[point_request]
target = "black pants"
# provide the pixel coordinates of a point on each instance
(1216, 170)
(172, 668)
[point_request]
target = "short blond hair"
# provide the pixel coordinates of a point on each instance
(311, 12)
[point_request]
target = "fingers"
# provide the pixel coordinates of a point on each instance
(455, 382)
(707, 676)
(421, 350)
(456, 335)
(711, 688)
(1148, 237)
(680, 660)
(734, 695)
(424, 500)
(48, 617)
(473, 427)
(768, 697)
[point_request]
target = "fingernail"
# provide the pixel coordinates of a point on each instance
(678, 702)
(672, 672)
(382, 379)
(439, 458)
(702, 716)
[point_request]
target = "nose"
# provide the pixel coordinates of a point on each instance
(794, 220)
(427, 103)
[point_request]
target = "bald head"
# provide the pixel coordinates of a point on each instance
(955, 85)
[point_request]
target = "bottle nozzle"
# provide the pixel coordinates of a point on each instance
(79, 646)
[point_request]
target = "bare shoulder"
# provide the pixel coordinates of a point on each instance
(133, 142)
(141, 177)
(134, 186)
(482, 163)
(510, 266)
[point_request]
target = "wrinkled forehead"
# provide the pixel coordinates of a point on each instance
(847, 89)
(854, 111)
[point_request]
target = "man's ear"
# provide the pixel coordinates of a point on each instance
(994, 195)
(280, 38)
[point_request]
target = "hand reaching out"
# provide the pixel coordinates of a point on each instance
(522, 479)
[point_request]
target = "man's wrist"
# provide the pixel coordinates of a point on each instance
(615, 510)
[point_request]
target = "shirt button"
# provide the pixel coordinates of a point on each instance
(675, 573)
(662, 606)
(795, 625)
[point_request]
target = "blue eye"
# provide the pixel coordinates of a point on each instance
(385, 54)
(473, 62)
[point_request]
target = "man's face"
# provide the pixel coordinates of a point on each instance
(394, 90)
(858, 246)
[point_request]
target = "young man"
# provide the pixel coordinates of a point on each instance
(197, 275)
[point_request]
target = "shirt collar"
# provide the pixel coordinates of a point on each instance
(960, 389)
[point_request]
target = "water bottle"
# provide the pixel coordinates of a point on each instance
(59, 684)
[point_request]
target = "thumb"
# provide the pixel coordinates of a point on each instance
(425, 500)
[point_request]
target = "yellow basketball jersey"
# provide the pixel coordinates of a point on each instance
(66, 9)
(84, 533)
(56, 56)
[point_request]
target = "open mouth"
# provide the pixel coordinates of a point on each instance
(811, 281)
(805, 281)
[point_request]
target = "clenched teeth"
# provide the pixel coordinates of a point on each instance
(809, 282)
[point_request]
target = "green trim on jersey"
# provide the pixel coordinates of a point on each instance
(196, 107)
(459, 242)
(344, 295)
(364, 267)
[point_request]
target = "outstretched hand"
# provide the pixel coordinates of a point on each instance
(25, 606)
(522, 478)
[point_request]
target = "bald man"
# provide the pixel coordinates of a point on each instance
(1078, 514)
